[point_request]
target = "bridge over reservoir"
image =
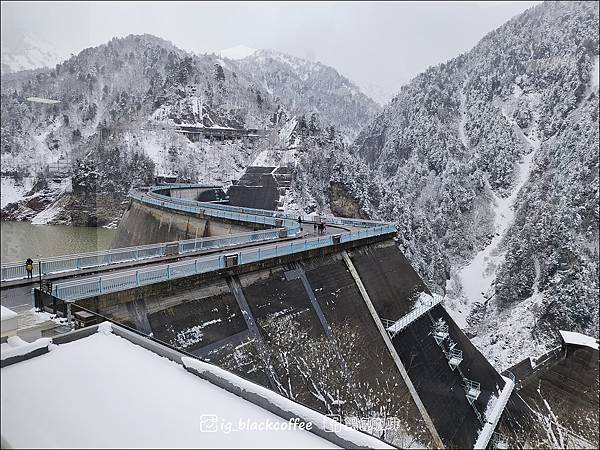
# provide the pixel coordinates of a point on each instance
(335, 319)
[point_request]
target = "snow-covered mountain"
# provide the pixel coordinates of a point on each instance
(489, 165)
(119, 105)
(27, 52)
(304, 87)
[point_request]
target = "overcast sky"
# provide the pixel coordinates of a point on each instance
(384, 43)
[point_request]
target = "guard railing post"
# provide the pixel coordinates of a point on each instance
(69, 315)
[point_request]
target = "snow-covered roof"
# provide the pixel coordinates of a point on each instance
(124, 395)
(6, 313)
(571, 337)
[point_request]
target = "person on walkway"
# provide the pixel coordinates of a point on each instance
(300, 222)
(324, 228)
(29, 267)
(315, 227)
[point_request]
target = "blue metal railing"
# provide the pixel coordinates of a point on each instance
(69, 263)
(216, 210)
(79, 289)
(284, 225)
(292, 218)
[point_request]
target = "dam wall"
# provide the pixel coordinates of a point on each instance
(296, 324)
(300, 325)
(142, 224)
(340, 323)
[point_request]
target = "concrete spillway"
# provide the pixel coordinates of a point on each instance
(441, 388)
(260, 187)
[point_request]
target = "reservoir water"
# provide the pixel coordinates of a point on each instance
(21, 240)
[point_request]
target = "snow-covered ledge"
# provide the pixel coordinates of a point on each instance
(494, 416)
(8, 322)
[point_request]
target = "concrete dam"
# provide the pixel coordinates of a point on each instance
(143, 224)
(335, 319)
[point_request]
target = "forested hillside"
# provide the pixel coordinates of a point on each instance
(488, 163)
(113, 126)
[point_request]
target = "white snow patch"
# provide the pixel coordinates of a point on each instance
(55, 208)
(43, 100)
(571, 337)
(105, 328)
(506, 338)
(42, 317)
(16, 346)
(476, 277)
(287, 131)
(116, 376)
(275, 158)
(463, 120)
(193, 335)
(596, 73)
(11, 191)
(6, 313)
(474, 282)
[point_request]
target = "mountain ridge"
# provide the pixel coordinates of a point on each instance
(458, 159)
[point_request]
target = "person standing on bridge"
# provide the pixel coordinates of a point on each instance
(300, 222)
(29, 267)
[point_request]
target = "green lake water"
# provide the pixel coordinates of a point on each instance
(21, 240)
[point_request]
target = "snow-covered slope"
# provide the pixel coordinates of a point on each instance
(489, 165)
(304, 87)
(120, 105)
(27, 52)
